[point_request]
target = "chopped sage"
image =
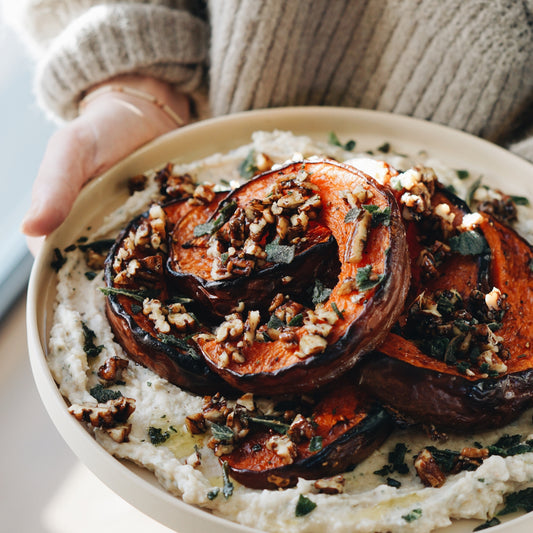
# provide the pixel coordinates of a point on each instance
(90, 349)
(520, 200)
(352, 215)
(227, 489)
(315, 444)
(100, 246)
(415, 514)
(296, 320)
(181, 344)
(337, 311)
(212, 226)
(523, 499)
(304, 506)
(90, 275)
(280, 253)
(365, 280)
(213, 493)
(103, 395)
(137, 294)
(320, 292)
(494, 521)
(157, 436)
(248, 168)
(462, 174)
(379, 216)
(58, 261)
(222, 433)
(270, 423)
(275, 322)
(334, 140)
(468, 243)
(384, 148)
(472, 191)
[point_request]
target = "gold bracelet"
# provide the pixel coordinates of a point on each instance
(148, 97)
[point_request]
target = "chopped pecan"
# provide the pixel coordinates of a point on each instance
(330, 485)
(112, 369)
(105, 415)
(428, 470)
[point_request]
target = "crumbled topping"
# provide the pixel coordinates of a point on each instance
(153, 309)
(105, 415)
(112, 369)
(330, 485)
(283, 447)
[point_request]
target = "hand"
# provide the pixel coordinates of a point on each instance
(111, 126)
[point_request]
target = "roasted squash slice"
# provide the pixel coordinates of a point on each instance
(218, 280)
(149, 322)
(475, 368)
(343, 428)
(301, 347)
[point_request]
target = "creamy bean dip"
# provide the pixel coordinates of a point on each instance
(158, 439)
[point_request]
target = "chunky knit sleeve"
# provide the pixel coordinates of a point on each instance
(78, 43)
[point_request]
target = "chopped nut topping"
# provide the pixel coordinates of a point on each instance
(196, 423)
(300, 429)
(283, 447)
(312, 344)
(112, 369)
(104, 415)
(358, 239)
(428, 470)
(330, 485)
(153, 309)
(119, 433)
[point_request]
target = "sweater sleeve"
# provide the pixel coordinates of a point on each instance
(80, 43)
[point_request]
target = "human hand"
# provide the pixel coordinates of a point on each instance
(111, 126)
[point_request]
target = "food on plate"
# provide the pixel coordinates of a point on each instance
(461, 358)
(302, 345)
(135, 351)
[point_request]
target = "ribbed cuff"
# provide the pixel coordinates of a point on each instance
(107, 41)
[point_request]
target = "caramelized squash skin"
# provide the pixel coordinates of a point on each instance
(138, 335)
(365, 316)
(189, 267)
(430, 391)
(349, 426)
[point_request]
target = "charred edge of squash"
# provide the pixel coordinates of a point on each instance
(365, 437)
(457, 404)
(194, 374)
(217, 292)
(354, 334)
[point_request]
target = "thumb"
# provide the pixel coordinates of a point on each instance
(63, 172)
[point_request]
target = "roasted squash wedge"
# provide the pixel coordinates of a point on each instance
(220, 279)
(474, 368)
(303, 345)
(149, 322)
(340, 430)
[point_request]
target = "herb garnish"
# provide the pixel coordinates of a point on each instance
(472, 191)
(296, 320)
(396, 461)
(415, 514)
(304, 506)
(315, 444)
(90, 349)
(520, 200)
(384, 148)
(212, 226)
(468, 243)
(364, 279)
(523, 499)
(90, 275)
(175, 342)
(270, 423)
(248, 168)
(352, 215)
(334, 140)
(221, 433)
(379, 216)
(103, 395)
(58, 261)
(391, 482)
(280, 253)
(462, 174)
(157, 436)
(100, 246)
(227, 489)
(320, 292)
(136, 294)
(338, 312)
(275, 322)
(494, 521)
(213, 493)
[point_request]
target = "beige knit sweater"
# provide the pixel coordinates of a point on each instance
(464, 63)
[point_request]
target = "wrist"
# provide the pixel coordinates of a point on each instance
(144, 92)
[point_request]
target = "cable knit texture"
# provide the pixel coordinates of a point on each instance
(467, 64)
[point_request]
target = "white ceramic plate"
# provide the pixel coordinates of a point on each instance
(101, 196)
